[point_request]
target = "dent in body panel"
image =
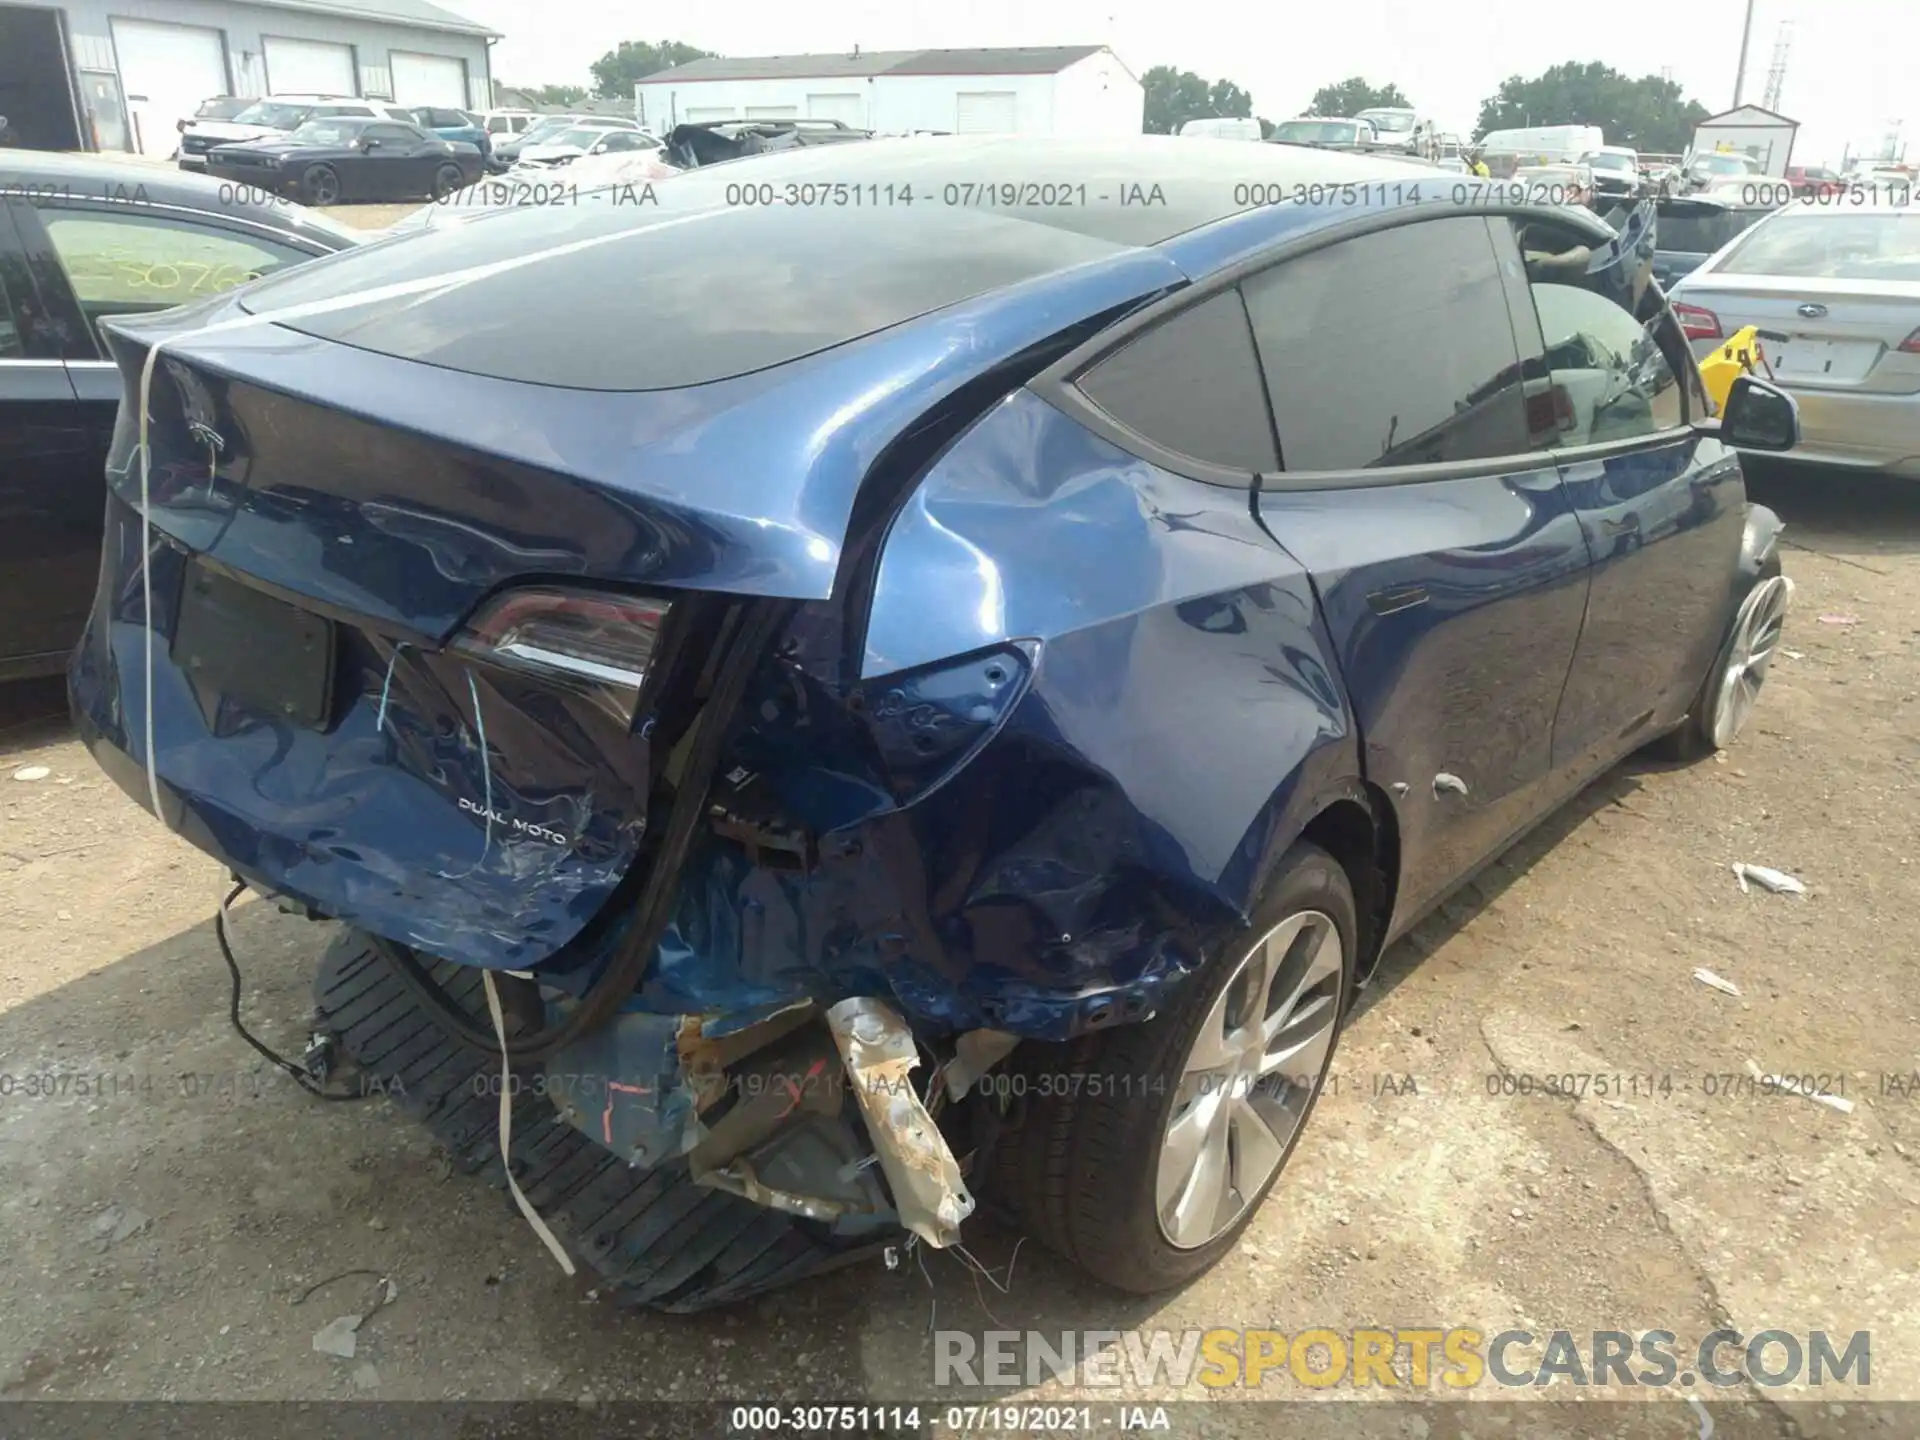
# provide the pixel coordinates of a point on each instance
(1175, 722)
(1465, 681)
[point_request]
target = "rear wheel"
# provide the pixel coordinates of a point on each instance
(320, 185)
(1728, 695)
(1141, 1153)
(447, 180)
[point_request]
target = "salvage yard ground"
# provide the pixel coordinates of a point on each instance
(153, 1239)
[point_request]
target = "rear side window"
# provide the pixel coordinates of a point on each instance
(1606, 337)
(1393, 348)
(1191, 385)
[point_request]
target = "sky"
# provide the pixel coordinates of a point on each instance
(1850, 75)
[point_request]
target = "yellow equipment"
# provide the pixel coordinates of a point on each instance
(1741, 355)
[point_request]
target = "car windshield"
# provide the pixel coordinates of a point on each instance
(1603, 161)
(325, 132)
(275, 113)
(1316, 132)
(1724, 164)
(223, 109)
(546, 129)
(1831, 247)
(1394, 124)
(582, 137)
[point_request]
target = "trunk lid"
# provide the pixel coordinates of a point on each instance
(1840, 334)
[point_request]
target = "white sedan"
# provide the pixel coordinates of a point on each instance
(1839, 288)
(570, 145)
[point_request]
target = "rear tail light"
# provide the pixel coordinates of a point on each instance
(1911, 345)
(1697, 324)
(578, 639)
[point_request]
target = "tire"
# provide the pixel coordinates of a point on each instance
(1703, 732)
(320, 185)
(1070, 1167)
(447, 180)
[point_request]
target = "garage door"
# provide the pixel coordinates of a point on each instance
(165, 72)
(428, 80)
(986, 112)
(698, 113)
(309, 67)
(845, 108)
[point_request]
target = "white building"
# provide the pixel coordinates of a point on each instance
(122, 74)
(1046, 90)
(1748, 130)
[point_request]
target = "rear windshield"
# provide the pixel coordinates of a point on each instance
(1702, 232)
(1831, 247)
(1315, 132)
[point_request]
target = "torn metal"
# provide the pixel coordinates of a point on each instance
(880, 1055)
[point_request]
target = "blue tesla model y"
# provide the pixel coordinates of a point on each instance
(870, 681)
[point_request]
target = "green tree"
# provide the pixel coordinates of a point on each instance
(1355, 94)
(615, 71)
(557, 94)
(1229, 101)
(1173, 98)
(1649, 114)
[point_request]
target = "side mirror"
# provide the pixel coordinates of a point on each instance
(368, 144)
(1760, 416)
(599, 149)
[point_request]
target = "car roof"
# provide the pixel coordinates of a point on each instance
(82, 176)
(734, 287)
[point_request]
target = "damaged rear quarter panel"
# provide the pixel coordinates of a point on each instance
(1176, 724)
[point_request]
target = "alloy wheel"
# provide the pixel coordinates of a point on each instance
(1249, 1078)
(323, 185)
(1756, 635)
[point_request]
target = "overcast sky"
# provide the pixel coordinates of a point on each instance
(1854, 67)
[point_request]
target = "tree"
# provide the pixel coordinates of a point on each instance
(615, 71)
(1355, 94)
(1649, 114)
(1177, 96)
(553, 94)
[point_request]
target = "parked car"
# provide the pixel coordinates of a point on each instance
(507, 124)
(1690, 228)
(506, 153)
(456, 125)
(713, 141)
(331, 162)
(1615, 172)
(1399, 130)
(1817, 181)
(220, 107)
(569, 145)
(1504, 151)
(950, 663)
(1842, 285)
(1221, 127)
(1324, 133)
(1701, 171)
(275, 115)
(97, 237)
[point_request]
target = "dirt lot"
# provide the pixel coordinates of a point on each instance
(156, 1235)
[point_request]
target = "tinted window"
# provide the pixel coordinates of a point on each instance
(122, 261)
(13, 276)
(343, 110)
(1601, 325)
(1191, 385)
(1391, 349)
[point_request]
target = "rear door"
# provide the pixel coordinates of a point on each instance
(1415, 485)
(50, 499)
(1661, 504)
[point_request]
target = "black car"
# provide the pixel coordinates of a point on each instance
(1687, 229)
(326, 162)
(82, 238)
(712, 141)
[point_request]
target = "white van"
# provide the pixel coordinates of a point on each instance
(1222, 127)
(1539, 145)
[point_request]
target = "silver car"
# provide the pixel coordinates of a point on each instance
(1838, 290)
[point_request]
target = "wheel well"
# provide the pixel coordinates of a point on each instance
(1364, 839)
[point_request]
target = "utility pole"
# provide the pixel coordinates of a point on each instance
(1746, 37)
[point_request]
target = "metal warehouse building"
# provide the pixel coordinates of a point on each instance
(1045, 90)
(119, 74)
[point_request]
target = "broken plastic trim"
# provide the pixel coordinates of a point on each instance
(880, 1054)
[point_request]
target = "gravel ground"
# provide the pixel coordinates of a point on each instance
(158, 1234)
